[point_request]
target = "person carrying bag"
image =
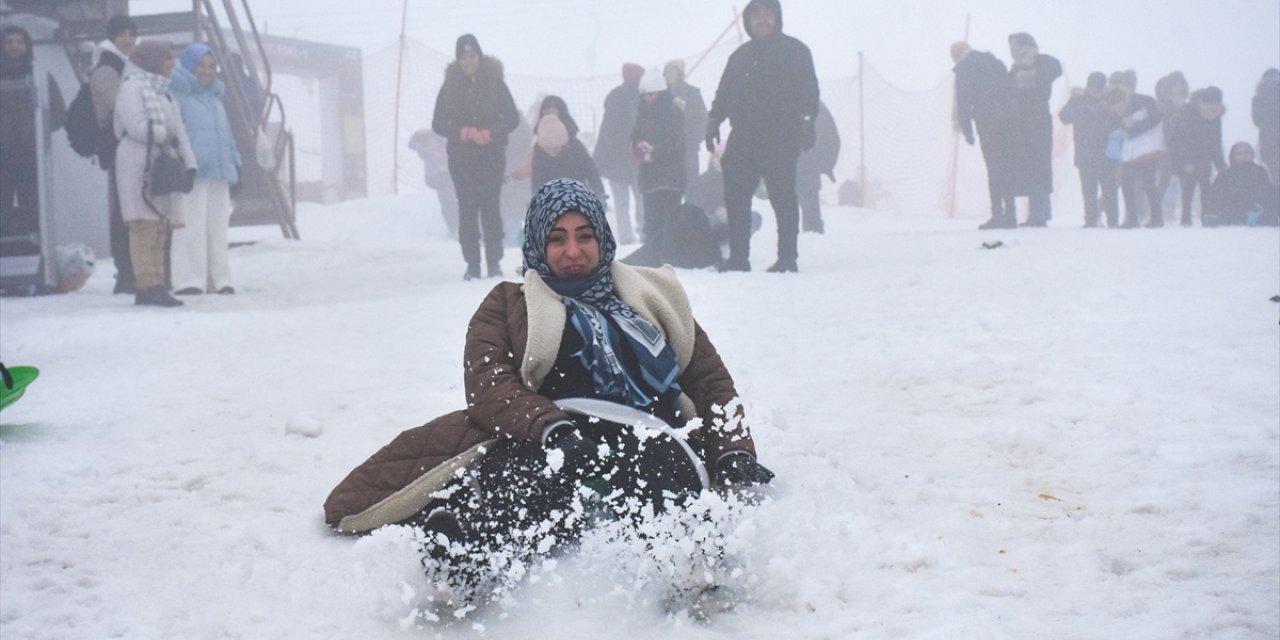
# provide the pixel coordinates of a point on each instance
(150, 129)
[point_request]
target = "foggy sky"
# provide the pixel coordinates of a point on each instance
(1227, 43)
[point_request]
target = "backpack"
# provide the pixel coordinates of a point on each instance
(86, 137)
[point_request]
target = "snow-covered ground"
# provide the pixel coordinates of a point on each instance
(1075, 435)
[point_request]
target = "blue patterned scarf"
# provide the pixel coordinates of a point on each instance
(604, 321)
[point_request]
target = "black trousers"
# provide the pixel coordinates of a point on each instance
(744, 167)
(19, 203)
(1138, 179)
(808, 194)
(1197, 175)
(119, 233)
(1099, 188)
(993, 139)
(477, 178)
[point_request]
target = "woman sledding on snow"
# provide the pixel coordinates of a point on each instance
(503, 480)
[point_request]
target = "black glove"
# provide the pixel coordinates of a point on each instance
(741, 469)
(579, 453)
(713, 135)
(968, 137)
(807, 135)
(190, 182)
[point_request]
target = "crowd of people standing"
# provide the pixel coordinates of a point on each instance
(1129, 147)
(149, 101)
(646, 151)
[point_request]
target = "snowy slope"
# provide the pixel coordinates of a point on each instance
(1076, 435)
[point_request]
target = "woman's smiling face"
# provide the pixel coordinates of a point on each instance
(573, 250)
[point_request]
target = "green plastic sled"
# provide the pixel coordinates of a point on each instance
(19, 378)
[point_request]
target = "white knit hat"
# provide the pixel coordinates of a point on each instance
(653, 82)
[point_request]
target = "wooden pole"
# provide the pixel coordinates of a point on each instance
(395, 128)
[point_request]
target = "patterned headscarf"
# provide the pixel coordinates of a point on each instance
(603, 320)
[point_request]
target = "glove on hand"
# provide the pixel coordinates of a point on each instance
(579, 454)
(713, 135)
(467, 134)
(968, 137)
(741, 469)
(482, 137)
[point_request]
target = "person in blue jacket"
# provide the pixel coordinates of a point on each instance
(198, 253)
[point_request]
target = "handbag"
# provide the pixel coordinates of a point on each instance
(1115, 145)
(166, 173)
(1145, 146)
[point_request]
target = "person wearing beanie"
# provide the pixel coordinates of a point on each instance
(108, 62)
(1092, 122)
(1243, 194)
(1194, 140)
(984, 101)
(769, 94)
(198, 251)
(558, 152)
(693, 110)
(1032, 75)
(613, 151)
(475, 112)
(657, 141)
(148, 123)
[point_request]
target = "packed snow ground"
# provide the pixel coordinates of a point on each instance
(1075, 435)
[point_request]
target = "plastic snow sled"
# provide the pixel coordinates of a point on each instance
(642, 426)
(15, 383)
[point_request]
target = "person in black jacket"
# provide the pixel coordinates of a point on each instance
(693, 110)
(813, 164)
(19, 206)
(1031, 79)
(1194, 138)
(983, 98)
(1243, 194)
(613, 150)
(1143, 149)
(475, 113)
(1092, 123)
(658, 143)
(558, 153)
(1266, 116)
(769, 94)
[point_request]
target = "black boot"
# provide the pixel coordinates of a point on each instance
(733, 264)
(787, 265)
(495, 270)
(124, 285)
(156, 297)
(473, 272)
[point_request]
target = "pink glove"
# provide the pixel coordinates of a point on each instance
(643, 151)
(482, 137)
(467, 134)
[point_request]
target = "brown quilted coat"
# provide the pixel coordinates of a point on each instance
(511, 342)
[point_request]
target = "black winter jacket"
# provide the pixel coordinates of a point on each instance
(983, 95)
(768, 89)
(573, 162)
(661, 124)
(482, 101)
(613, 144)
(1092, 122)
